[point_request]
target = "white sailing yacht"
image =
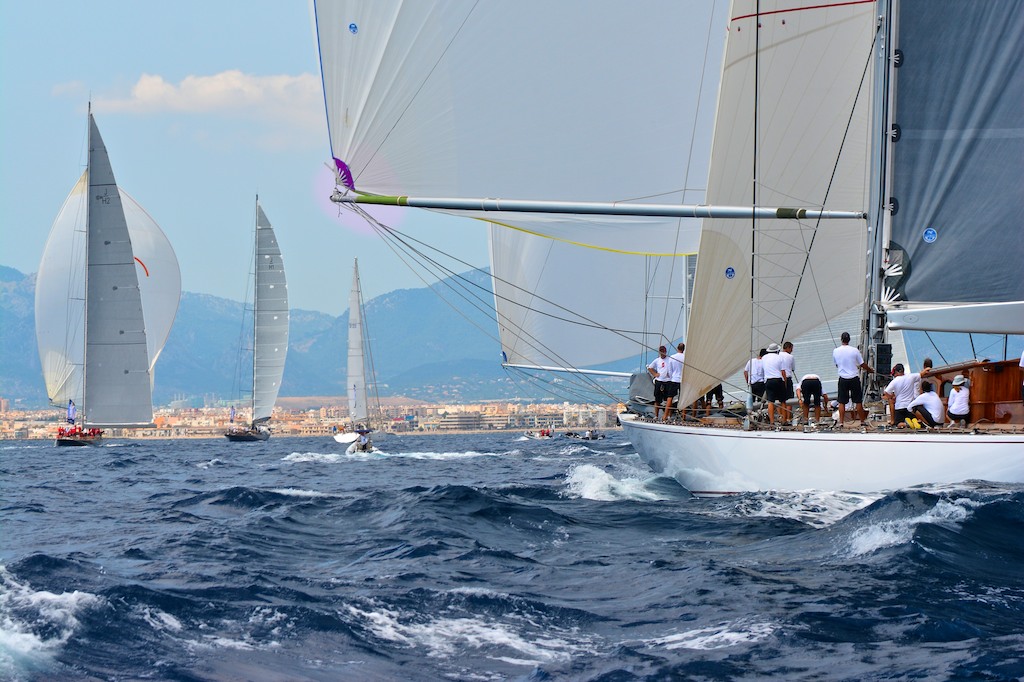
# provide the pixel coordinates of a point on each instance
(839, 177)
(107, 293)
(357, 436)
(270, 332)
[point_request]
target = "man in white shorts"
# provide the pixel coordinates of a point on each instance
(849, 362)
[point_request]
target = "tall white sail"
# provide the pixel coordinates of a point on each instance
(798, 91)
(271, 315)
(539, 100)
(134, 288)
(357, 402)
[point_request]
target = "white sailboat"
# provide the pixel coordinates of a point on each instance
(107, 293)
(270, 332)
(357, 436)
(810, 106)
(880, 120)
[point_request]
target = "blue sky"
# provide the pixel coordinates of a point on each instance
(202, 105)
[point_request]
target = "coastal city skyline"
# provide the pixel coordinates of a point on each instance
(194, 135)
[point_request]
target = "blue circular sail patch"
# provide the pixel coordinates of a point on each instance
(730, 273)
(353, 29)
(930, 234)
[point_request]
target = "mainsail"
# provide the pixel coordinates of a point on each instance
(112, 330)
(598, 104)
(357, 402)
(271, 320)
(779, 279)
(957, 174)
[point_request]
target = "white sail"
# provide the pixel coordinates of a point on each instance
(449, 99)
(357, 401)
(144, 271)
(271, 314)
(812, 100)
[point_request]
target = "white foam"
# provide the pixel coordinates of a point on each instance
(594, 483)
(207, 465)
(298, 492)
(814, 507)
(443, 637)
(20, 609)
(719, 637)
(450, 455)
(326, 457)
(894, 532)
(160, 620)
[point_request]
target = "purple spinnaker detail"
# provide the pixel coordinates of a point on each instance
(344, 173)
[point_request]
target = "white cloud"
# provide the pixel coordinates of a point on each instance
(297, 100)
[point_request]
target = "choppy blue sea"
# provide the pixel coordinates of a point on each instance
(486, 557)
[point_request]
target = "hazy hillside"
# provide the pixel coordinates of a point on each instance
(421, 347)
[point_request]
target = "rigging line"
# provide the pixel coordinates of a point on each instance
(390, 234)
(808, 268)
(685, 308)
(970, 337)
(368, 352)
(754, 241)
(928, 336)
(569, 391)
(578, 319)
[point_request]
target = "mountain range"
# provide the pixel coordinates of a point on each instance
(425, 344)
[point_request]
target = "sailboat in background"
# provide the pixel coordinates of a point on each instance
(806, 105)
(357, 436)
(270, 332)
(107, 293)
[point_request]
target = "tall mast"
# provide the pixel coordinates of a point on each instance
(255, 306)
(879, 223)
(85, 291)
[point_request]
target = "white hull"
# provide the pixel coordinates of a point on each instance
(718, 461)
(346, 437)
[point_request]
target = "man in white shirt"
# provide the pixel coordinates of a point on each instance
(958, 405)
(849, 362)
(786, 357)
(753, 374)
(927, 407)
(677, 375)
(900, 393)
(774, 380)
(661, 369)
